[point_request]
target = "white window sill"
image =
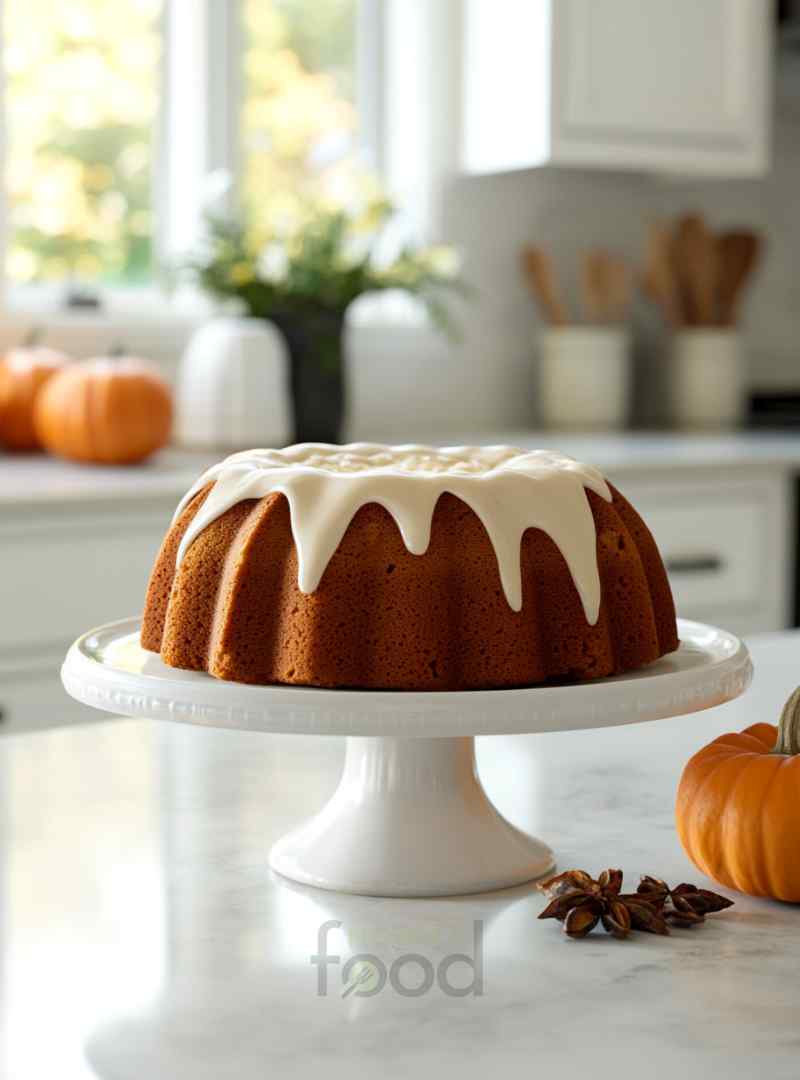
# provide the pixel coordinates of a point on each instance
(155, 324)
(151, 321)
(149, 303)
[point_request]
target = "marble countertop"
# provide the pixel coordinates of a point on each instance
(36, 479)
(143, 935)
(655, 450)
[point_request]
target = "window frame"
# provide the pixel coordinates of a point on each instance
(407, 55)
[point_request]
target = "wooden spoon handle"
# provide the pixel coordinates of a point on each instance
(659, 279)
(592, 282)
(738, 252)
(542, 284)
(697, 267)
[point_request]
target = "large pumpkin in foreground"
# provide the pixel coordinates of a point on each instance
(738, 808)
(109, 411)
(23, 374)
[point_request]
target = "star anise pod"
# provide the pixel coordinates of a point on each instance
(580, 903)
(646, 915)
(685, 905)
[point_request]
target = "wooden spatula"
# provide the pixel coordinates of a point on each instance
(696, 263)
(618, 289)
(593, 285)
(659, 279)
(541, 281)
(738, 252)
(606, 287)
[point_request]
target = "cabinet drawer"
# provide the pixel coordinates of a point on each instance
(715, 551)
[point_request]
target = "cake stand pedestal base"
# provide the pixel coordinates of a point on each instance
(410, 818)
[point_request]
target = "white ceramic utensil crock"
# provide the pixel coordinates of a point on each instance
(708, 378)
(585, 377)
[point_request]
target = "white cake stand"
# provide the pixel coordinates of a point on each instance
(410, 817)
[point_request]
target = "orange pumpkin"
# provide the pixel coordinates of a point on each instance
(110, 411)
(738, 808)
(23, 374)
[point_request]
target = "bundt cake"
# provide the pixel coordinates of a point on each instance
(407, 568)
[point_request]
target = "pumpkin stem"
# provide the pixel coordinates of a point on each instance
(789, 727)
(117, 349)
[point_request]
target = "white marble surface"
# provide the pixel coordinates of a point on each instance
(34, 478)
(31, 479)
(144, 937)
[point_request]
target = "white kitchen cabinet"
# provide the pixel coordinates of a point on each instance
(76, 548)
(725, 541)
(679, 87)
(67, 569)
(64, 570)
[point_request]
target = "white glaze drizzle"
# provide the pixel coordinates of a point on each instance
(510, 490)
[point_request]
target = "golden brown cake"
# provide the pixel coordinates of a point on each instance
(407, 568)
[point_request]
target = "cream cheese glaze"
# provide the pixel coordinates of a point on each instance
(510, 490)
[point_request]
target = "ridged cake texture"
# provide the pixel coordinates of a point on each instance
(407, 568)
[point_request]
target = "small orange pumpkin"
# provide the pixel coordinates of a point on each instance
(112, 410)
(23, 374)
(738, 808)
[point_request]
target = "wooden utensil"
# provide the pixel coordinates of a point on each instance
(738, 252)
(592, 293)
(606, 287)
(696, 265)
(619, 289)
(658, 279)
(541, 281)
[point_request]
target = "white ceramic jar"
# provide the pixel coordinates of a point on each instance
(708, 388)
(585, 377)
(233, 386)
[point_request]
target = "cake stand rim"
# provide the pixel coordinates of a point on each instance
(659, 691)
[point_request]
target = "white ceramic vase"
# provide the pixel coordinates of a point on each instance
(233, 387)
(707, 372)
(585, 377)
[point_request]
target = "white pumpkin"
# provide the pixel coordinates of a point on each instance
(233, 386)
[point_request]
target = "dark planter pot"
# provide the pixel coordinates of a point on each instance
(317, 376)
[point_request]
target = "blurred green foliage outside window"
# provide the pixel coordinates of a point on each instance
(82, 88)
(83, 93)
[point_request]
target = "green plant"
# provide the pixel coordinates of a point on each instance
(322, 265)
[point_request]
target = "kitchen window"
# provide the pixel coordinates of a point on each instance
(126, 120)
(81, 103)
(299, 116)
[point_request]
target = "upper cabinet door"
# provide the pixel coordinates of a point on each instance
(675, 85)
(639, 84)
